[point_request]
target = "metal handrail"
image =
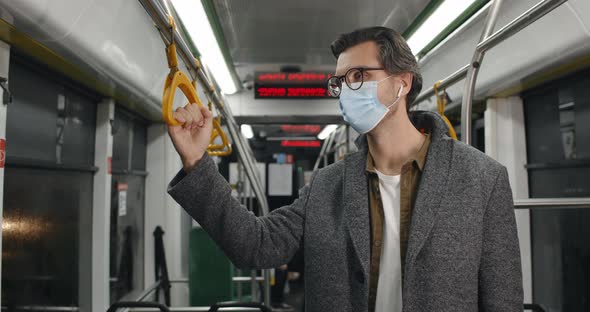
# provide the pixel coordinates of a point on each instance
(45, 308)
(487, 42)
(193, 309)
(330, 146)
(242, 279)
(519, 23)
(160, 18)
(552, 203)
(473, 70)
(148, 291)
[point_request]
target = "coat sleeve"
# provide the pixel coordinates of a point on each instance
(249, 241)
(500, 272)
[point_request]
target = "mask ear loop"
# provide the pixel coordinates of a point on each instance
(399, 95)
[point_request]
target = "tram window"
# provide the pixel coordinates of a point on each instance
(46, 228)
(138, 159)
(558, 131)
(52, 123)
(561, 268)
(37, 116)
(41, 235)
(79, 133)
(582, 112)
(127, 235)
(121, 143)
(127, 205)
(542, 122)
(129, 142)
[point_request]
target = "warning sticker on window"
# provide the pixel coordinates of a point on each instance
(122, 189)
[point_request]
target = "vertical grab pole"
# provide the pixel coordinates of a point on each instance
(466, 105)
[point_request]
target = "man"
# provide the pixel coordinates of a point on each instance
(413, 221)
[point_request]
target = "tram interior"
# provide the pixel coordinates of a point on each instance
(85, 156)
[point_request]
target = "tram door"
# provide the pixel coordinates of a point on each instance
(127, 205)
(48, 191)
(558, 148)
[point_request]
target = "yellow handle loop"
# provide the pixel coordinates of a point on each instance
(441, 101)
(177, 79)
(225, 148)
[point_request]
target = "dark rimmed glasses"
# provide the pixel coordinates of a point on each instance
(352, 76)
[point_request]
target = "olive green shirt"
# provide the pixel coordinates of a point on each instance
(409, 181)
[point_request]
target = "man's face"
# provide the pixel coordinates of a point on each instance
(366, 55)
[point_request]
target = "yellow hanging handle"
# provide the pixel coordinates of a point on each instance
(441, 101)
(176, 79)
(225, 148)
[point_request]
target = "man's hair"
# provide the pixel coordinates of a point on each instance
(394, 53)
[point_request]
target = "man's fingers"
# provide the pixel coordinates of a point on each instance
(187, 117)
(196, 114)
(207, 114)
(178, 116)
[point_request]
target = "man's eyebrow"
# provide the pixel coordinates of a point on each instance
(348, 68)
(359, 66)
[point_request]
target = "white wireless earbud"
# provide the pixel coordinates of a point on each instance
(399, 95)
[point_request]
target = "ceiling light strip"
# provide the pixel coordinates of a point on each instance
(199, 22)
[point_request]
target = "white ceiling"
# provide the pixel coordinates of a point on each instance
(260, 32)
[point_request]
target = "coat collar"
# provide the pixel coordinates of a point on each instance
(430, 192)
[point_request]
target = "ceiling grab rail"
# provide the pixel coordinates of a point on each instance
(488, 41)
(160, 18)
(473, 70)
(522, 21)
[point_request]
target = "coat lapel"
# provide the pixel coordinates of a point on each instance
(356, 206)
(431, 190)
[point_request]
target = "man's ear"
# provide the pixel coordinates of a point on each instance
(406, 79)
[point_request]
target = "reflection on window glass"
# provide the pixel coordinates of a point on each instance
(561, 259)
(127, 235)
(41, 234)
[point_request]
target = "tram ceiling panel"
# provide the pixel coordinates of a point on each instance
(300, 32)
(110, 46)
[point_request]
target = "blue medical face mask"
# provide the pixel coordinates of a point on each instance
(361, 108)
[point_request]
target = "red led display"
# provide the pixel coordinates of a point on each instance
(300, 143)
(291, 92)
(301, 85)
(271, 92)
(310, 129)
(304, 77)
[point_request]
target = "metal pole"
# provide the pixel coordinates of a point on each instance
(445, 83)
(160, 18)
(516, 25)
(473, 71)
(530, 16)
(254, 285)
(347, 139)
(243, 279)
(320, 156)
(266, 275)
(552, 203)
(194, 309)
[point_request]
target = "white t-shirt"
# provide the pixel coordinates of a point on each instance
(389, 289)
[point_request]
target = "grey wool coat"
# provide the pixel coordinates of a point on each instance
(462, 255)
